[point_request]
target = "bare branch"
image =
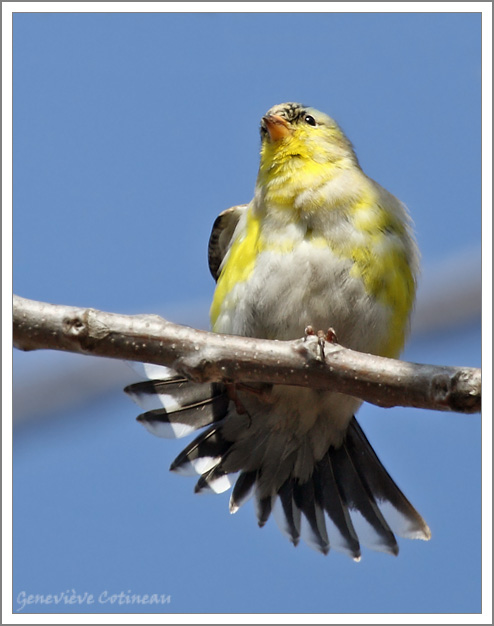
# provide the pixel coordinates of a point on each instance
(211, 357)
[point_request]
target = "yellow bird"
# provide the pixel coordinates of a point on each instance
(320, 244)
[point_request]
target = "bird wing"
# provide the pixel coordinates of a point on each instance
(221, 237)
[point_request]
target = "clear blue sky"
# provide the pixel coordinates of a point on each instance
(131, 132)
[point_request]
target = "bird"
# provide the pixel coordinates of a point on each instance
(320, 245)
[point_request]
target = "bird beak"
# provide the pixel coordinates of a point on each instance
(276, 126)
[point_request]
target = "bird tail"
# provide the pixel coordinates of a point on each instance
(348, 500)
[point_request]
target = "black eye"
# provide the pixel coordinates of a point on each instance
(310, 120)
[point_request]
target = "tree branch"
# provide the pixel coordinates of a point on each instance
(211, 357)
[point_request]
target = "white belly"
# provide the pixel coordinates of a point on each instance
(282, 296)
(311, 285)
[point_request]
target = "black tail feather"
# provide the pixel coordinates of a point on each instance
(348, 500)
(264, 506)
(305, 500)
(243, 489)
(202, 454)
(176, 407)
(290, 516)
(214, 481)
(372, 528)
(405, 521)
(183, 421)
(327, 492)
(177, 390)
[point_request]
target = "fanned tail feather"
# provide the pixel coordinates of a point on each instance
(313, 525)
(348, 500)
(402, 517)
(287, 514)
(175, 408)
(367, 519)
(243, 490)
(203, 454)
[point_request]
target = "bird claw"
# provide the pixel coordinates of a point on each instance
(331, 336)
(322, 337)
(321, 340)
(309, 331)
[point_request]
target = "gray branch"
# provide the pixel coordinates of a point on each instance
(211, 357)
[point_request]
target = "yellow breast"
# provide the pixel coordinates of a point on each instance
(342, 210)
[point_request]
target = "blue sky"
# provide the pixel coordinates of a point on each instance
(131, 132)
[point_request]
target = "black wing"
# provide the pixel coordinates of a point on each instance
(221, 237)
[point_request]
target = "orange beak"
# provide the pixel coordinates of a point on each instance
(276, 126)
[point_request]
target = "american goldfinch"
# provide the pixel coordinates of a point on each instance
(320, 244)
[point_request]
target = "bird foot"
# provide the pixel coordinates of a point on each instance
(322, 337)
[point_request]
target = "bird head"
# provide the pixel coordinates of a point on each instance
(294, 131)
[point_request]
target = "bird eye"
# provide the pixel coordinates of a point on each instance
(310, 120)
